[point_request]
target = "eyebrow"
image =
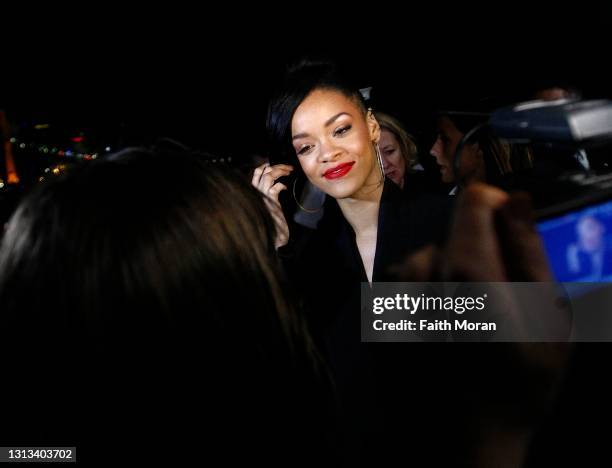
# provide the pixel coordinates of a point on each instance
(327, 124)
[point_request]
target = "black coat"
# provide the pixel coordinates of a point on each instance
(327, 271)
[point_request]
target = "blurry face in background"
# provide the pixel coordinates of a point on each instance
(443, 150)
(394, 162)
(334, 142)
(590, 234)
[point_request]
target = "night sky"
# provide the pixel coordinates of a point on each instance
(206, 80)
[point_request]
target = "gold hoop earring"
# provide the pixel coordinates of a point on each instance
(299, 204)
(380, 161)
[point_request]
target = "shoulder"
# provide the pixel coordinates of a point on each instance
(429, 215)
(409, 223)
(415, 200)
(310, 248)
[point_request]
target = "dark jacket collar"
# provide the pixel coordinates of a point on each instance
(388, 241)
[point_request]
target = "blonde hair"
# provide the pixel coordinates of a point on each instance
(406, 142)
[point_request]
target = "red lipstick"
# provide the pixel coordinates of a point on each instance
(339, 171)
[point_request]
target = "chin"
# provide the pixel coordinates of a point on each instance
(340, 193)
(339, 190)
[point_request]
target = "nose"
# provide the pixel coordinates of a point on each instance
(329, 152)
(436, 149)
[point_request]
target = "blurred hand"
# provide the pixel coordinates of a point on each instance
(493, 239)
(264, 180)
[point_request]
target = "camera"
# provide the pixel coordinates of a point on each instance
(574, 208)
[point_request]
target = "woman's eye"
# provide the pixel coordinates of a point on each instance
(304, 150)
(342, 130)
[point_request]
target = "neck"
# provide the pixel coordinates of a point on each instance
(361, 209)
(476, 175)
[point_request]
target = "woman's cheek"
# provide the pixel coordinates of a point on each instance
(310, 169)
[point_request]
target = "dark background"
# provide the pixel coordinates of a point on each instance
(205, 78)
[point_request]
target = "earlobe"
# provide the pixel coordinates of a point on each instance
(373, 126)
(376, 136)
